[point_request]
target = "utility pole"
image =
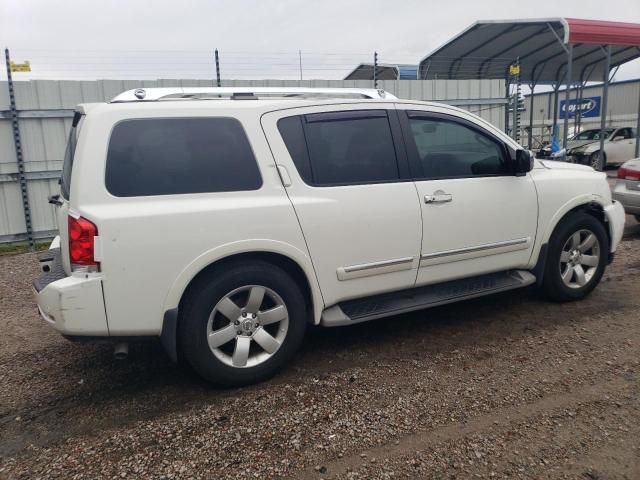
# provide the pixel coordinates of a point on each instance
(217, 68)
(300, 62)
(375, 69)
(17, 142)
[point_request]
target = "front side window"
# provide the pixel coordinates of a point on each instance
(341, 148)
(624, 133)
(447, 148)
(165, 156)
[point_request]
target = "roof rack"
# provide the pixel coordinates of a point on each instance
(238, 93)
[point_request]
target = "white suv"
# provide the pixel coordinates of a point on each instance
(225, 220)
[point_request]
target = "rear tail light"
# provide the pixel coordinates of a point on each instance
(629, 174)
(81, 243)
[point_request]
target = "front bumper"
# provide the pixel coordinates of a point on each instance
(615, 219)
(73, 305)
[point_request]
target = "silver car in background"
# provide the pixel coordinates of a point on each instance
(627, 188)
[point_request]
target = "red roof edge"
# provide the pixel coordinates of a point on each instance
(600, 32)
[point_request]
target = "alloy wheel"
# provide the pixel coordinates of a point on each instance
(579, 258)
(247, 326)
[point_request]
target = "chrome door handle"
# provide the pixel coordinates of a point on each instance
(438, 197)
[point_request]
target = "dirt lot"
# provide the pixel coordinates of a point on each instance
(504, 386)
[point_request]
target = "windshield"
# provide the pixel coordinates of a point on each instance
(67, 164)
(592, 134)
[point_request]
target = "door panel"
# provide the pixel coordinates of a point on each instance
(489, 225)
(477, 217)
(363, 229)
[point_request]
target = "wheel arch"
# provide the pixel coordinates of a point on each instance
(292, 260)
(587, 204)
(287, 257)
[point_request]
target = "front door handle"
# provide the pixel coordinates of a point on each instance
(438, 197)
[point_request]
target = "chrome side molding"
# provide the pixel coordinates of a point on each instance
(375, 268)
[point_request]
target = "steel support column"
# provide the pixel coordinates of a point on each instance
(567, 97)
(605, 95)
(556, 91)
(17, 142)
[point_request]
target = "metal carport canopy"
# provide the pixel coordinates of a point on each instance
(548, 50)
(488, 47)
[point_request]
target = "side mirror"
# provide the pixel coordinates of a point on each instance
(523, 162)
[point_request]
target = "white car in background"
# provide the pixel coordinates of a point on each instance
(619, 146)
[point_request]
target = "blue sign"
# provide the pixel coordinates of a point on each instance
(589, 107)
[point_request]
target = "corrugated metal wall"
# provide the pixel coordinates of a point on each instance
(622, 108)
(45, 112)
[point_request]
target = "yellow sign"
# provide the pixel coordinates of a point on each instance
(20, 67)
(514, 69)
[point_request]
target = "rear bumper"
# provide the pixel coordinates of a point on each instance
(73, 305)
(615, 219)
(630, 199)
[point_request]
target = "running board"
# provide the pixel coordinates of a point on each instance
(393, 303)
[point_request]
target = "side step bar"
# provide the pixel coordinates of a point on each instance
(393, 303)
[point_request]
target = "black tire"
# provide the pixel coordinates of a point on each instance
(596, 163)
(637, 218)
(205, 294)
(553, 285)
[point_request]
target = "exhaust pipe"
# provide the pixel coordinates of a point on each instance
(120, 351)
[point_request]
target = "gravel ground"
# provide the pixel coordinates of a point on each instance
(502, 386)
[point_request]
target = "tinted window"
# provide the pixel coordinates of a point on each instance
(342, 147)
(180, 155)
(450, 149)
(67, 164)
(624, 133)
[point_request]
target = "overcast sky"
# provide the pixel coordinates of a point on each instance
(256, 38)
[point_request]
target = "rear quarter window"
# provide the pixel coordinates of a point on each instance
(169, 156)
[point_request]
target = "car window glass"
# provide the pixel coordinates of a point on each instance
(180, 155)
(341, 148)
(450, 149)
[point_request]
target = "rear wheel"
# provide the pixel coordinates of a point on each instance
(240, 325)
(577, 254)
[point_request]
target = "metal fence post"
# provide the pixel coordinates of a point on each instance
(507, 87)
(217, 68)
(18, 146)
(375, 69)
(638, 129)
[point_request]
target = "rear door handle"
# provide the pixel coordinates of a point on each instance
(438, 197)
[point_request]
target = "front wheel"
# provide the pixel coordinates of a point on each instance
(597, 161)
(241, 324)
(576, 259)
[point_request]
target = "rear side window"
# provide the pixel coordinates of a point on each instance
(67, 164)
(341, 148)
(170, 156)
